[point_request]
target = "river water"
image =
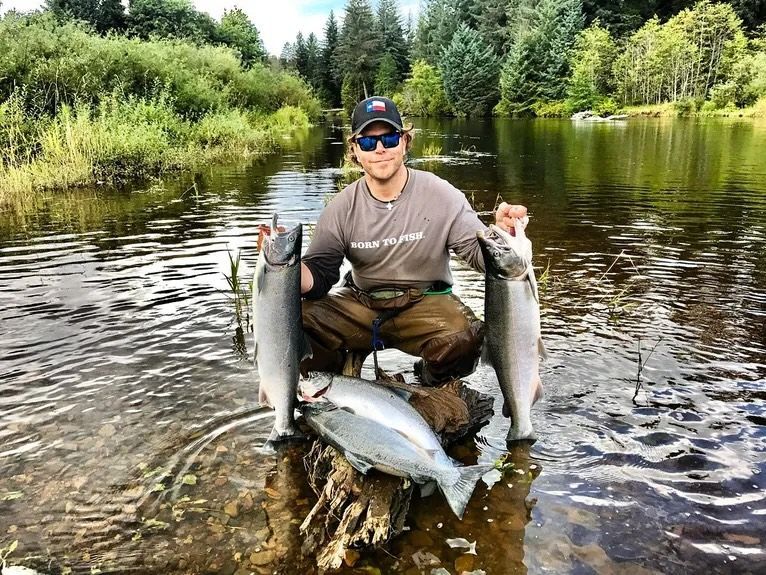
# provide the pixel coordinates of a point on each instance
(128, 414)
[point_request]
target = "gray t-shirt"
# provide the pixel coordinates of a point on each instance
(403, 243)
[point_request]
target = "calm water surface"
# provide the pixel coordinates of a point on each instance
(128, 411)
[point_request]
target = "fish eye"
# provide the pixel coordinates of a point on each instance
(496, 253)
(291, 237)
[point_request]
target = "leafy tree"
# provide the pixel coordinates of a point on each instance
(423, 93)
(171, 18)
(358, 49)
(470, 72)
(103, 15)
(591, 63)
(329, 75)
(683, 58)
(237, 31)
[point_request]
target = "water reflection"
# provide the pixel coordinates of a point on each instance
(127, 403)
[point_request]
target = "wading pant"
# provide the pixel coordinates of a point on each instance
(438, 328)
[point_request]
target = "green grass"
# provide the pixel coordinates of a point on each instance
(671, 110)
(121, 139)
(431, 149)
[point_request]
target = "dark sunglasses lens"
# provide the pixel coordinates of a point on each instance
(367, 143)
(390, 140)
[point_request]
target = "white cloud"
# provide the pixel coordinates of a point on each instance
(277, 23)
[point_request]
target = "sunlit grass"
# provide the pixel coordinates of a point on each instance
(125, 139)
(431, 149)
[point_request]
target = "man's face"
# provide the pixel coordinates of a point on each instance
(381, 163)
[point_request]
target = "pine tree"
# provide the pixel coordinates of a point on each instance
(537, 65)
(330, 76)
(392, 38)
(470, 71)
(287, 56)
(493, 25)
(313, 71)
(301, 56)
(387, 78)
(358, 49)
(436, 26)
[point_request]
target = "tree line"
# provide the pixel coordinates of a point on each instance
(545, 57)
(476, 57)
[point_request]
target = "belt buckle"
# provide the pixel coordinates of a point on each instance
(382, 294)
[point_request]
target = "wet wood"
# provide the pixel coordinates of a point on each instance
(356, 511)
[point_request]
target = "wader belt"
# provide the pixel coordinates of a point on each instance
(383, 294)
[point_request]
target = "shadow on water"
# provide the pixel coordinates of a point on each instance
(127, 399)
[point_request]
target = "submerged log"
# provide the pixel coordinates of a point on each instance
(357, 511)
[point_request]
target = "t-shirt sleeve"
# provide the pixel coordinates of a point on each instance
(325, 254)
(462, 235)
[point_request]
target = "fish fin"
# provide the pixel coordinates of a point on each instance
(263, 398)
(277, 440)
(427, 489)
(260, 271)
(459, 493)
(485, 354)
(539, 391)
(403, 393)
(357, 463)
(306, 351)
(533, 282)
(541, 349)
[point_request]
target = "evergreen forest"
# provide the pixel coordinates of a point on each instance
(539, 57)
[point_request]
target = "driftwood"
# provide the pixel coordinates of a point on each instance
(357, 511)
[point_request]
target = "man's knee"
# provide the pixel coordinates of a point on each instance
(454, 355)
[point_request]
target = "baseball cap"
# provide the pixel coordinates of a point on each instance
(374, 109)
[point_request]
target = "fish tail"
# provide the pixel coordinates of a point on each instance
(459, 493)
(279, 438)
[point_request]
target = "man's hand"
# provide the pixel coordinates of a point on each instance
(507, 213)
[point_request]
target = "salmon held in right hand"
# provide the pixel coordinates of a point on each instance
(512, 342)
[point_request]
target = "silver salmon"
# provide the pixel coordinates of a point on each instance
(367, 444)
(385, 405)
(280, 344)
(512, 342)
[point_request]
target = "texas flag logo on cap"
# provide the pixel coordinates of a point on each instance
(376, 106)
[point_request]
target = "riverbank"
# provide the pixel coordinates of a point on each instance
(78, 108)
(677, 110)
(120, 140)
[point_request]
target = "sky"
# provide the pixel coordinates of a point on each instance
(279, 21)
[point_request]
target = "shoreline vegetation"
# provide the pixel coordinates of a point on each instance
(106, 94)
(78, 109)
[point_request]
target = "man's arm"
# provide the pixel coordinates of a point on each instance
(307, 279)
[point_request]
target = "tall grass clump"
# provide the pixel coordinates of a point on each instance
(79, 108)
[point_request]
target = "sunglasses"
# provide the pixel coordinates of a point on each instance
(369, 143)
